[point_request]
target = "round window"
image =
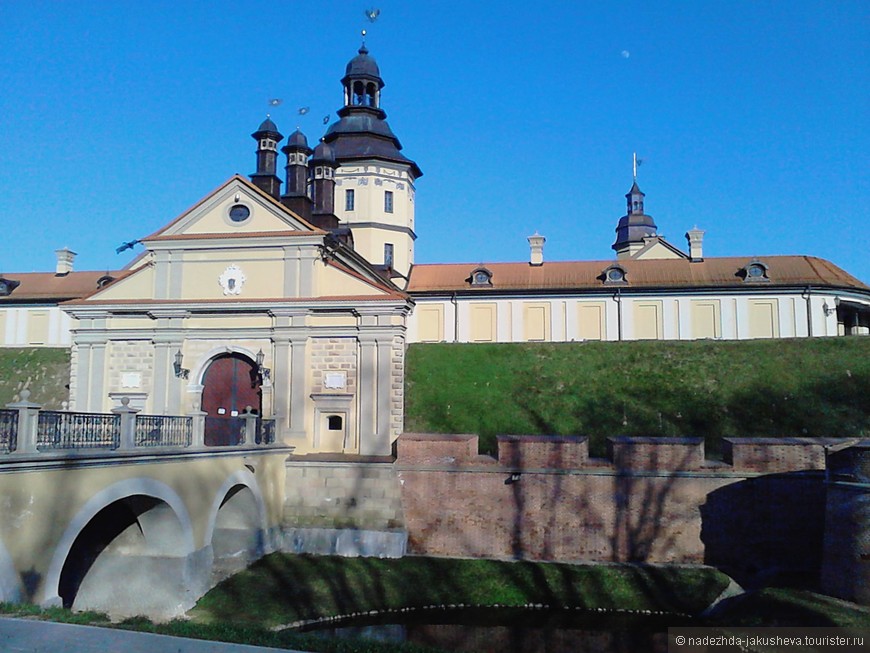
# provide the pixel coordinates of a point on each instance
(615, 274)
(239, 213)
(756, 271)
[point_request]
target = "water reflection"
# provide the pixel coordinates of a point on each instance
(514, 630)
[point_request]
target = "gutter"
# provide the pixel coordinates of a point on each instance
(806, 295)
(618, 299)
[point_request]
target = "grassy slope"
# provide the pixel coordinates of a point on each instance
(281, 589)
(42, 370)
(702, 388)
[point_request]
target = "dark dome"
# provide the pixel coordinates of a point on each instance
(323, 152)
(297, 139)
(268, 126)
(362, 65)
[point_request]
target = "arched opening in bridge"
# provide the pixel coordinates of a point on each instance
(128, 556)
(238, 535)
(231, 383)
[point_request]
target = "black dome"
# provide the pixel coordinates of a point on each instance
(323, 152)
(297, 139)
(362, 65)
(268, 126)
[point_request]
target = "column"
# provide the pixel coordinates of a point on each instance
(367, 393)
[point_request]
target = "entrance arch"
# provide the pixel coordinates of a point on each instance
(231, 383)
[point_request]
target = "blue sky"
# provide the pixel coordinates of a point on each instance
(751, 119)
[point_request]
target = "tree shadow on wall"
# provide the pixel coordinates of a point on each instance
(767, 530)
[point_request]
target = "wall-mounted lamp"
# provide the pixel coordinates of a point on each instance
(513, 478)
(828, 309)
(265, 372)
(180, 372)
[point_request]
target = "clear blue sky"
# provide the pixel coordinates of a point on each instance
(751, 118)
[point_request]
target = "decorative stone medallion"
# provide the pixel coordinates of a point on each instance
(232, 280)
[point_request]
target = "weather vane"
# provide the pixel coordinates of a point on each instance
(635, 164)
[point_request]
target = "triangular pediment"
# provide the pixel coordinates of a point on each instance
(237, 208)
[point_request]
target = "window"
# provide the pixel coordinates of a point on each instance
(614, 274)
(480, 277)
(348, 200)
(388, 201)
(388, 255)
(334, 422)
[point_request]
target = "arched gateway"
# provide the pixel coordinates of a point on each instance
(231, 383)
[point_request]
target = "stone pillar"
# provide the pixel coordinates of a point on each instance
(28, 418)
(249, 435)
(198, 429)
(128, 424)
(98, 378)
(367, 394)
(296, 389)
(163, 375)
(282, 380)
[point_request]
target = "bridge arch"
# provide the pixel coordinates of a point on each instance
(146, 523)
(236, 527)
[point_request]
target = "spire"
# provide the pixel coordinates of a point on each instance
(635, 225)
(265, 178)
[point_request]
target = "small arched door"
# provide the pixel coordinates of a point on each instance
(230, 384)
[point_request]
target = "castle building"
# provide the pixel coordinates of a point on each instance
(298, 302)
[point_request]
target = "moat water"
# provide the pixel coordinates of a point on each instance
(510, 630)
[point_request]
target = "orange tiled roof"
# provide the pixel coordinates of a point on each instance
(49, 287)
(719, 272)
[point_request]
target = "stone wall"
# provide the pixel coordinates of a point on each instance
(650, 500)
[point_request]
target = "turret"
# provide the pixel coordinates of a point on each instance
(322, 174)
(296, 196)
(265, 178)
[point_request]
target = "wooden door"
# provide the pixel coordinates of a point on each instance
(230, 384)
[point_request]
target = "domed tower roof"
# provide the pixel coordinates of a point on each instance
(362, 131)
(362, 65)
(323, 152)
(297, 140)
(635, 225)
(267, 127)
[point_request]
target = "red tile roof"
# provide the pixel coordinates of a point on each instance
(639, 273)
(49, 287)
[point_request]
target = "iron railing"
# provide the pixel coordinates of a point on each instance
(265, 431)
(8, 430)
(163, 431)
(63, 430)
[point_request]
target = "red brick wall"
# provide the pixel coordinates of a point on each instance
(644, 503)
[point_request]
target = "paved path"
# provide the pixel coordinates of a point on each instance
(32, 636)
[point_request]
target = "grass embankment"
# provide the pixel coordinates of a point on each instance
(42, 370)
(806, 387)
(282, 589)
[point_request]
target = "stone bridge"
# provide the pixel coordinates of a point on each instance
(127, 515)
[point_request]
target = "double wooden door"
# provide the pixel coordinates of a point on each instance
(231, 384)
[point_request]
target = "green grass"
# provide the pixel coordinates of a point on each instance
(801, 387)
(281, 588)
(42, 370)
(791, 607)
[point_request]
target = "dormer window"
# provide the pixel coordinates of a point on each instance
(104, 281)
(7, 286)
(480, 277)
(755, 271)
(614, 274)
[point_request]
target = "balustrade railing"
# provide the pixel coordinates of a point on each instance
(27, 429)
(163, 431)
(8, 430)
(64, 430)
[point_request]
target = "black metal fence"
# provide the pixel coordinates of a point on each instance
(265, 431)
(8, 430)
(63, 430)
(163, 431)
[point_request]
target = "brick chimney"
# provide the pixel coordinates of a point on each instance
(65, 258)
(536, 244)
(696, 239)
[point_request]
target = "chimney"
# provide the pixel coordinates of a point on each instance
(696, 238)
(65, 258)
(536, 244)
